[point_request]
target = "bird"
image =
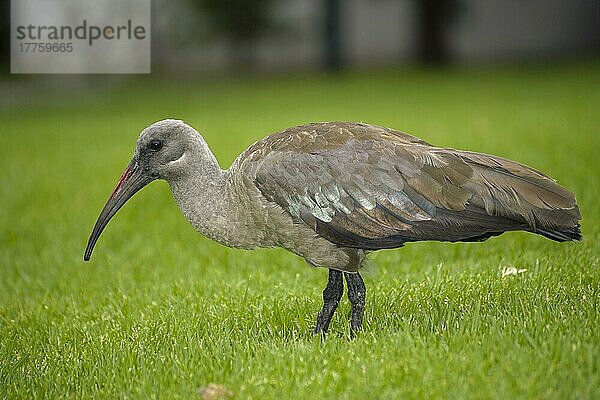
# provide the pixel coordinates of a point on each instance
(332, 192)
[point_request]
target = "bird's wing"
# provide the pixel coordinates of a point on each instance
(371, 187)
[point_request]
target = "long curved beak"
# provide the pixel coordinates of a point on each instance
(131, 181)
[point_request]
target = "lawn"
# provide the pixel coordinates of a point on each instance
(161, 311)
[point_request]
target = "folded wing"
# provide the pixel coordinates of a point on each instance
(370, 187)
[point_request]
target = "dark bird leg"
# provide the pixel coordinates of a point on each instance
(356, 295)
(331, 297)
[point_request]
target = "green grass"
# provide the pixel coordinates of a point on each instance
(161, 311)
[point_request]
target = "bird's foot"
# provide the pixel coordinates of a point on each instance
(356, 295)
(331, 298)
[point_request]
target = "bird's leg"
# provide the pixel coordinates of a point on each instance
(331, 297)
(356, 295)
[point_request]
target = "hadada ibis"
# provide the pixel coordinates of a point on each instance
(332, 192)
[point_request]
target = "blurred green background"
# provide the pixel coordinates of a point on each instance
(161, 311)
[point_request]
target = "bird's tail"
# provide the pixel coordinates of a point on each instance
(562, 235)
(518, 192)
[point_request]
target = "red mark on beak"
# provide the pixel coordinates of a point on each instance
(124, 176)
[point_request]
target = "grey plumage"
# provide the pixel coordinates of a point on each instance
(367, 187)
(333, 191)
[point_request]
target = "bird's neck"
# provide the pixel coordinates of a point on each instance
(206, 196)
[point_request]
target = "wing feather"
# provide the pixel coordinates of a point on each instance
(370, 187)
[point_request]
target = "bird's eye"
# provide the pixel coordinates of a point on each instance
(155, 145)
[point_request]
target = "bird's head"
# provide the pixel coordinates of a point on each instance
(161, 152)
